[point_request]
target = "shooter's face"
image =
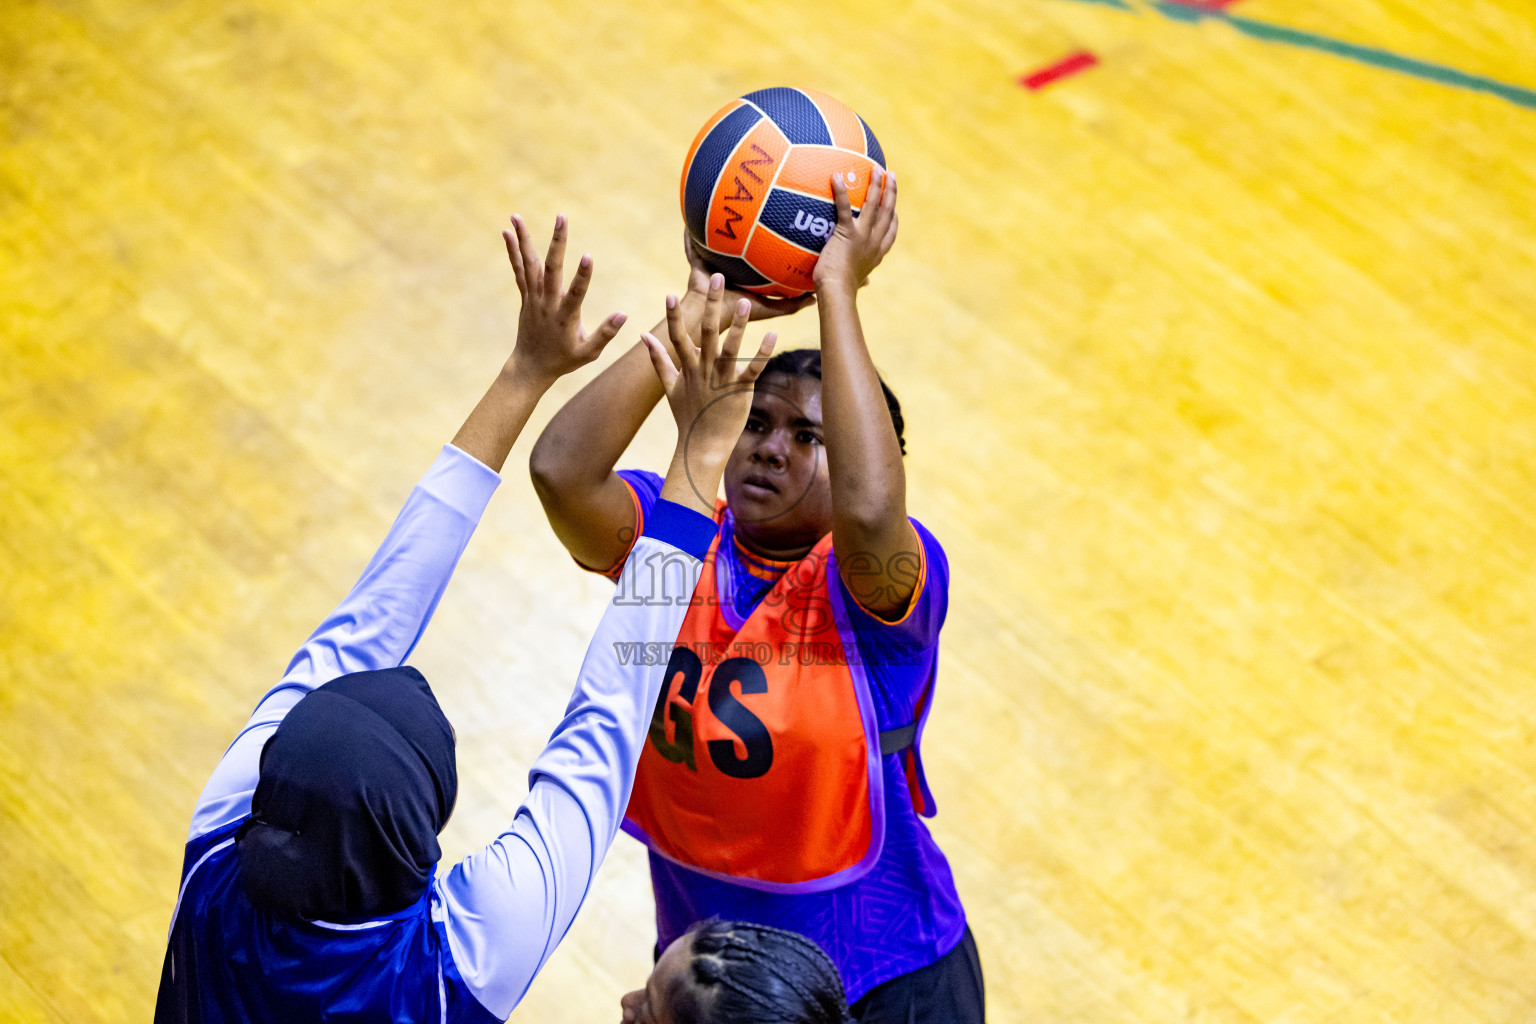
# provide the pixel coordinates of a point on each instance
(776, 481)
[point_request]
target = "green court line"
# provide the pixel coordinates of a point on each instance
(1368, 55)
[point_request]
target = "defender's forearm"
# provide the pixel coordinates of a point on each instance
(496, 421)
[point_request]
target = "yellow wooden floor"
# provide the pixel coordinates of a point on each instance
(1220, 368)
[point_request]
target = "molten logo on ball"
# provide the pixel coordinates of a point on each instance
(817, 226)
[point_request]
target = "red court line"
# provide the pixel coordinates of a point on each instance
(1079, 61)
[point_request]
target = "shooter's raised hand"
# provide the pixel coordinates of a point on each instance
(858, 244)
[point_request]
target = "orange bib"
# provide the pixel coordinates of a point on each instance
(763, 762)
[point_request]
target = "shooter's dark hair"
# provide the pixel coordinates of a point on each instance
(806, 362)
(752, 974)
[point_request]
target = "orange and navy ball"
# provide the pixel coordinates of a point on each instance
(757, 185)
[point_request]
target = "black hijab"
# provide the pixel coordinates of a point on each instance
(355, 785)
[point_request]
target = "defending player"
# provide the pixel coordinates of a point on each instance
(781, 784)
(309, 889)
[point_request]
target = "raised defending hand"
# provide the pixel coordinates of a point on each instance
(550, 339)
(709, 390)
(858, 244)
(550, 343)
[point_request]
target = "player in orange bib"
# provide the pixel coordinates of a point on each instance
(782, 782)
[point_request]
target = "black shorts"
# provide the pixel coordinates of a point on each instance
(947, 991)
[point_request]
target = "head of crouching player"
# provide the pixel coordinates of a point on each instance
(741, 973)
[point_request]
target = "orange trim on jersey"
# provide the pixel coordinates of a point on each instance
(614, 570)
(720, 115)
(917, 591)
(762, 572)
(847, 132)
(757, 565)
(743, 186)
(809, 169)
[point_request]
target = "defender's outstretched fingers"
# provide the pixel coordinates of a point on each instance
(764, 353)
(570, 306)
(709, 330)
(682, 344)
(554, 262)
(533, 273)
(732, 343)
(725, 369)
(606, 332)
(515, 257)
(665, 371)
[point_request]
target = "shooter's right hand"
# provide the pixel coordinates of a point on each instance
(758, 308)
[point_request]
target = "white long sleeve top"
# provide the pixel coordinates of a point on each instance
(503, 909)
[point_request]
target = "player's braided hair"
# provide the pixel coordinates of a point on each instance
(806, 362)
(753, 974)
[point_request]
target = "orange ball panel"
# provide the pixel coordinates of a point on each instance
(782, 262)
(743, 185)
(847, 131)
(809, 169)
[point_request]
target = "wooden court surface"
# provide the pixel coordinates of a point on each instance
(1218, 362)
